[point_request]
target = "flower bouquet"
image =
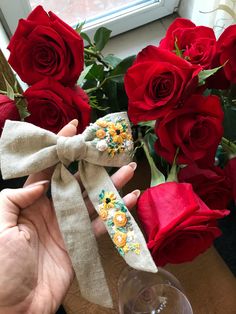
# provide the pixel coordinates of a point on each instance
(179, 96)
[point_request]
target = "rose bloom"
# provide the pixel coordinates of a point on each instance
(211, 185)
(226, 52)
(43, 45)
(197, 43)
(51, 105)
(156, 82)
(230, 171)
(195, 129)
(8, 110)
(178, 224)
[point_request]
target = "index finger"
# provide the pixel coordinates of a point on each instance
(68, 130)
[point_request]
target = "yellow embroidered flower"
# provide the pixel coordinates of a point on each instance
(111, 152)
(117, 132)
(126, 249)
(100, 133)
(120, 219)
(109, 200)
(120, 239)
(137, 251)
(102, 123)
(103, 213)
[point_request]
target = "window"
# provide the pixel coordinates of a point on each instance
(117, 15)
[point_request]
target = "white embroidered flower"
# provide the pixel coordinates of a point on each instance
(102, 145)
(129, 145)
(130, 236)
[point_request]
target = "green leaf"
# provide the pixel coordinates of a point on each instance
(123, 66)
(110, 89)
(10, 91)
(157, 176)
(178, 52)
(22, 109)
(203, 75)
(83, 75)
(112, 60)
(150, 124)
(86, 37)
(79, 27)
(101, 38)
(94, 103)
(96, 72)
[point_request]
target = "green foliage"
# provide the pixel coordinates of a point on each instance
(12, 93)
(101, 38)
(9, 89)
(103, 76)
(203, 75)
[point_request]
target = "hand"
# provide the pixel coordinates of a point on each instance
(35, 269)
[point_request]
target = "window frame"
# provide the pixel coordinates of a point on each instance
(119, 23)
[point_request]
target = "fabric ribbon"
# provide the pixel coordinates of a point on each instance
(27, 149)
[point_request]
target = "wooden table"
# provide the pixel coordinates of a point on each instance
(208, 283)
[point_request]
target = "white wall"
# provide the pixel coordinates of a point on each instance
(218, 19)
(3, 41)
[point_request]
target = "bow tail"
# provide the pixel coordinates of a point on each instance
(121, 226)
(79, 239)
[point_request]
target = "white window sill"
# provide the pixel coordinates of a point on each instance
(132, 42)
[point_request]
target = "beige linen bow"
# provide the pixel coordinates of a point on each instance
(26, 149)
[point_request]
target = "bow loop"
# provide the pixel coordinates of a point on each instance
(70, 149)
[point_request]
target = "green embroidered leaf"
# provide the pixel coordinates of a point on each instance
(121, 251)
(110, 223)
(123, 209)
(122, 229)
(101, 195)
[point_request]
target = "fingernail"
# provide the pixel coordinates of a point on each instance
(43, 182)
(74, 122)
(133, 165)
(136, 193)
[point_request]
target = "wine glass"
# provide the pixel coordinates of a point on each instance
(147, 293)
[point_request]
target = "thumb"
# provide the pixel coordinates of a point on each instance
(13, 200)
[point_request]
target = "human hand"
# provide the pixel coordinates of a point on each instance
(35, 269)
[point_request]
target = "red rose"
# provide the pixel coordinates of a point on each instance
(43, 45)
(8, 110)
(157, 82)
(211, 185)
(226, 52)
(178, 224)
(51, 106)
(230, 171)
(196, 129)
(197, 43)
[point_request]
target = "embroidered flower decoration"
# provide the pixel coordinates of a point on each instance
(113, 136)
(108, 200)
(118, 221)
